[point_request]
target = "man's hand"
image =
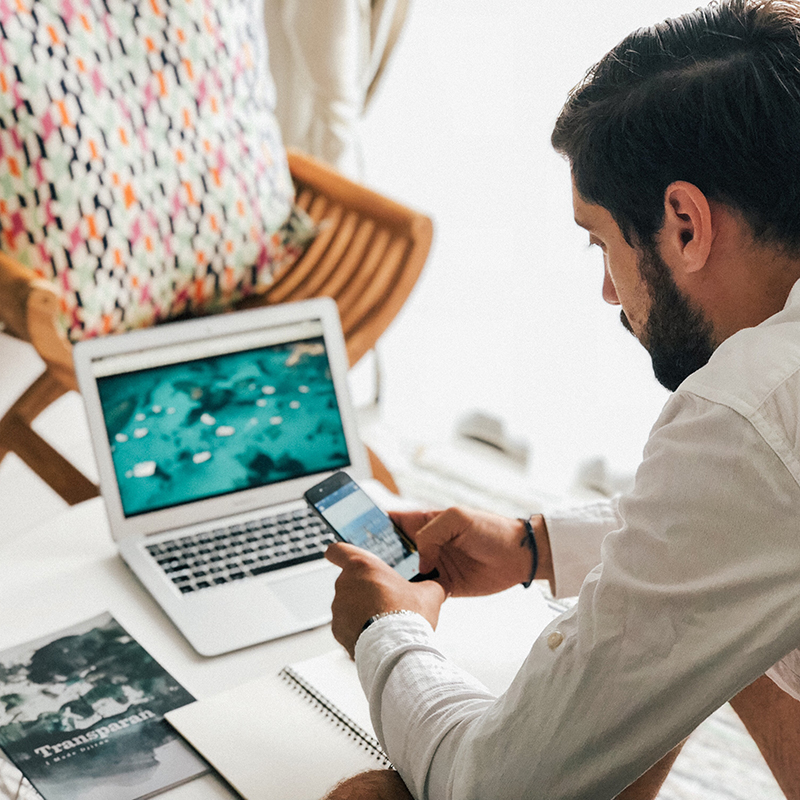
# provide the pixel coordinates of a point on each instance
(368, 586)
(476, 553)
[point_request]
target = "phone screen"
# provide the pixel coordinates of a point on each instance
(354, 518)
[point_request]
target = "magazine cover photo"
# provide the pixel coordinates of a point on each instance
(81, 715)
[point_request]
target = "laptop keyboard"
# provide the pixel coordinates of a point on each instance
(244, 550)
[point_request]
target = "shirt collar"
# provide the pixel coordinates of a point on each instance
(794, 295)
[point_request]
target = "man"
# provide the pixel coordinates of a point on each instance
(684, 145)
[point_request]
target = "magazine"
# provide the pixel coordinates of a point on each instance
(81, 715)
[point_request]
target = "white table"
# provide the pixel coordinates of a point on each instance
(68, 570)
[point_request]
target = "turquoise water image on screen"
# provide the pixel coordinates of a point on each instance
(217, 425)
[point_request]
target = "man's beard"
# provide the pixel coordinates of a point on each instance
(678, 337)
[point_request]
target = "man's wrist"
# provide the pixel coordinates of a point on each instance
(382, 614)
(399, 612)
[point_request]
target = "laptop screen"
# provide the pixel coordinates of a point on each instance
(204, 419)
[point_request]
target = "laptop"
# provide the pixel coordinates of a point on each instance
(206, 433)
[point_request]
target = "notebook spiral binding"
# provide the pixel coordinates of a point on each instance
(363, 739)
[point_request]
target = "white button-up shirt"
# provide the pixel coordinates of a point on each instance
(693, 594)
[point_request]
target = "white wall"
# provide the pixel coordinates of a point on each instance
(508, 315)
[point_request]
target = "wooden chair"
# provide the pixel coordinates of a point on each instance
(367, 257)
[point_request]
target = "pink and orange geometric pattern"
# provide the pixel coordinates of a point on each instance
(141, 165)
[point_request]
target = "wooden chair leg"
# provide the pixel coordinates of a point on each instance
(380, 472)
(17, 436)
(46, 389)
(61, 476)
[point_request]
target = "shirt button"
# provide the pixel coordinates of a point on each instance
(554, 639)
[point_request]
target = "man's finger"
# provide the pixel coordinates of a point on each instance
(444, 527)
(435, 590)
(427, 565)
(410, 522)
(341, 553)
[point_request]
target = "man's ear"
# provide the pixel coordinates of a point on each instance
(687, 234)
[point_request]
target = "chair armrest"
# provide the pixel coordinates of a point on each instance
(367, 256)
(16, 283)
(308, 172)
(29, 311)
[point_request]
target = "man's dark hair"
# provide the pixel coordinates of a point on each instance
(711, 97)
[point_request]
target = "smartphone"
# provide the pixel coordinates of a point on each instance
(354, 518)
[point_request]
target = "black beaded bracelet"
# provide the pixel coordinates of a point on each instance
(530, 541)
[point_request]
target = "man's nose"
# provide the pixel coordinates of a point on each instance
(609, 290)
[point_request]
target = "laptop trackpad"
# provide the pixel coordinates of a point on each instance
(307, 595)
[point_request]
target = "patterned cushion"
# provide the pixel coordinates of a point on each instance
(141, 166)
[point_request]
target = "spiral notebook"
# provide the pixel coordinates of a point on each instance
(287, 737)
